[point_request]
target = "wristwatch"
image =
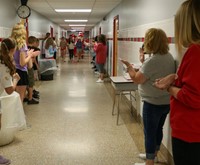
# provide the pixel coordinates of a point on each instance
(23, 11)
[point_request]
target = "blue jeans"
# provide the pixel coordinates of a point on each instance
(153, 119)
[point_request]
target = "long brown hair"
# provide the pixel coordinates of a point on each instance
(49, 42)
(6, 46)
(102, 39)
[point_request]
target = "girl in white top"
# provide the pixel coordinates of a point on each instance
(8, 76)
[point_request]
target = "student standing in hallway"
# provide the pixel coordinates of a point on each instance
(63, 48)
(22, 57)
(79, 48)
(8, 76)
(101, 54)
(32, 44)
(185, 86)
(71, 49)
(44, 43)
(50, 48)
(156, 102)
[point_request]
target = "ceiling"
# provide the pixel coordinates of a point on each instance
(100, 8)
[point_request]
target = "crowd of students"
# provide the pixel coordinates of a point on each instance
(74, 47)
(17, 72)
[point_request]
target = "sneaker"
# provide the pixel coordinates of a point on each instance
(99, 81)
(36, 92)
(143, 156)
(33, 101)
(97, 73)
(4, 161)
(25, 99)
(36, 96)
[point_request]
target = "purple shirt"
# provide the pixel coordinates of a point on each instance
(17, 58)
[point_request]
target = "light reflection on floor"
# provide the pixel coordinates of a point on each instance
(76, 109)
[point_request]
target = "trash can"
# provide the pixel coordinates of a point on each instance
(47, 69)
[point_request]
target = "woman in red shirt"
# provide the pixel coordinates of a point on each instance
(101, 54)
(185, 86)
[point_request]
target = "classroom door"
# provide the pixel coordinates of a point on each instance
(115, 43)
(51, 31)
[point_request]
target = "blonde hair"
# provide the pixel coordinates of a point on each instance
(187, 24)
(156, 41)
(19, 34)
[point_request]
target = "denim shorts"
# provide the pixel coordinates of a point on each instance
(79, 50)
(101, 68)
(153, 119)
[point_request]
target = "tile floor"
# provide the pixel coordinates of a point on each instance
(73, 125)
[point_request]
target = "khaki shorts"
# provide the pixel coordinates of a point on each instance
(31, 77)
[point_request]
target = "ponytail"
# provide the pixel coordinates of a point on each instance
(6, 46)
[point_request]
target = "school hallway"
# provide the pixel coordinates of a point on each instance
(73, 124)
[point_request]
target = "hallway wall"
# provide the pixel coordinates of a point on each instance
(38, 24)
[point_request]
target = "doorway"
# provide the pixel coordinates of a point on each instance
(99, 30)
(115, 43)
(51, 31)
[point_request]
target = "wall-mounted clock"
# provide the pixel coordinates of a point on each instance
(23, 11)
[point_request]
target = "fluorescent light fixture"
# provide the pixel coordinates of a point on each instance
(78, 28)
(73, 10)
(77, 25)
(75, 20)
